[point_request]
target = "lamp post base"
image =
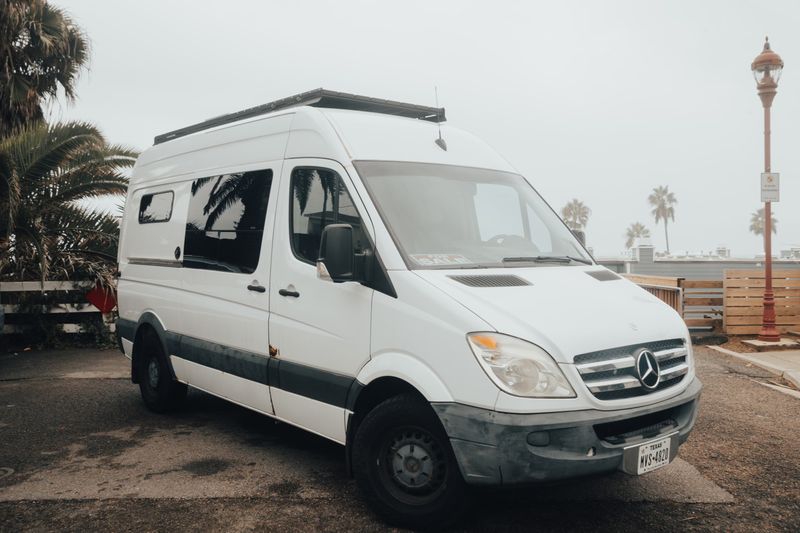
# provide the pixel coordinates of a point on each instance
(769, 335)
(769, 332)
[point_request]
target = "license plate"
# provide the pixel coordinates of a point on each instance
(653, 455)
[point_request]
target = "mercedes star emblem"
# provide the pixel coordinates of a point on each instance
(647, 369)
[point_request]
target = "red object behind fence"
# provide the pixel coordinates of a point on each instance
(102, 298)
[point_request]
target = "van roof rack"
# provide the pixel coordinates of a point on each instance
(315, 98)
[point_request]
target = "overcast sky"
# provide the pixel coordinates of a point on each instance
(600, 101)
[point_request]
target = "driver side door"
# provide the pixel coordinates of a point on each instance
(319, 330)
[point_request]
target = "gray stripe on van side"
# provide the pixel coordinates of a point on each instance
(321, 385)
(126, 328)
(239, 363)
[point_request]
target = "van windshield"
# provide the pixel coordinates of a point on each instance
(443, 216)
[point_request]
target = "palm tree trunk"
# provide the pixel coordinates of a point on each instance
(666, 235)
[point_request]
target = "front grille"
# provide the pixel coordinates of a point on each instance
(611, 374)
(641, 427)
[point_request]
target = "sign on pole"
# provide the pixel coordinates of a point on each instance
(770, 187)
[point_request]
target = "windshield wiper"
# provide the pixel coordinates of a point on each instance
(546, 259)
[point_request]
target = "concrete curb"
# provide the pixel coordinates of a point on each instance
(791, 376)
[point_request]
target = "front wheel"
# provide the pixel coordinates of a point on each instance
(159, 391)
(405, 466)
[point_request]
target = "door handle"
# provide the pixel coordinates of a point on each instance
(256, 287)
(286, 292)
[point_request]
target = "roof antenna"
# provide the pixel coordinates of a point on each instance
(439, 142)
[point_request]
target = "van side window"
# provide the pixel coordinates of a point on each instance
(156, 207)
(225, 223)
(319, 198)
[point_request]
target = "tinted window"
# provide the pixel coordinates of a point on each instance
(226, 221)
(319, 198)
(155, 207)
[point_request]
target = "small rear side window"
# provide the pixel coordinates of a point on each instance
(156, 207)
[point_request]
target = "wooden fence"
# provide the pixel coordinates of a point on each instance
(664, 288)
(733, 304)
(744, 293)
(61, 304)
(702, 303)
(699, 302)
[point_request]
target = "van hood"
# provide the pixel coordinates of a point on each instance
(566, 310)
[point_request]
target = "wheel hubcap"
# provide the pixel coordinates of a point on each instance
(416, 462)
(152, 373)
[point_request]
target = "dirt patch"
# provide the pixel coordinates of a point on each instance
(285, 488)
(96, 446)
(735, 344)
(206, 467)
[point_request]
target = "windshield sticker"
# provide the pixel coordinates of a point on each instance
(440, 259)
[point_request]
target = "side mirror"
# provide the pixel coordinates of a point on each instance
(336, 254)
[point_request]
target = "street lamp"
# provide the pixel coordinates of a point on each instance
(767, 69)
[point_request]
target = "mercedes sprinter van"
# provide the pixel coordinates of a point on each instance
(357, 268)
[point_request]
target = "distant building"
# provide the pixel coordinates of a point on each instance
(793, 252)
(711, 265)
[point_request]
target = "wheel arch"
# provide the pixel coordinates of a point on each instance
(384, 377)
(409, 369)
(149, 321)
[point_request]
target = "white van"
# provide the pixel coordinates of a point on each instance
(354, 267)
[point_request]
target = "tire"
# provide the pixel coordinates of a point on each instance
(404, 465)
(159, 391)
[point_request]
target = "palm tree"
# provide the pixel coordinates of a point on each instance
(42, 52)
(757, 221)
(45, 231)
(635, 231)
(663, 202)
(576, 214)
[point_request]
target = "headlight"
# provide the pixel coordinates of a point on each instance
(518, 367)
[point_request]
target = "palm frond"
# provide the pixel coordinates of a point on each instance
(37, 151)
(44, 52)
(229, 193)
(9, 193)
(49, 233)
(92, 188)
(302, 180)
(199, 183)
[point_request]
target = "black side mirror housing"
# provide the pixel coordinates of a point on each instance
(336, 254)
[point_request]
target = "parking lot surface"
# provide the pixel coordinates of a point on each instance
(79, 451)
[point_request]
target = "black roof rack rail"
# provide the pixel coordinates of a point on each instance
(315, 98)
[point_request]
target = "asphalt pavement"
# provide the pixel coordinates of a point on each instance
(78, 451)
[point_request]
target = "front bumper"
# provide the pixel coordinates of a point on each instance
(495, 448)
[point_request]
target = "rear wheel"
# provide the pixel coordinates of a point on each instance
(159, 391)
(405, 466)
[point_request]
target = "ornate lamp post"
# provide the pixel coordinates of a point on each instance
(767, 69)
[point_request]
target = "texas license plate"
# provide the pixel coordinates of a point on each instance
(653, 455)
